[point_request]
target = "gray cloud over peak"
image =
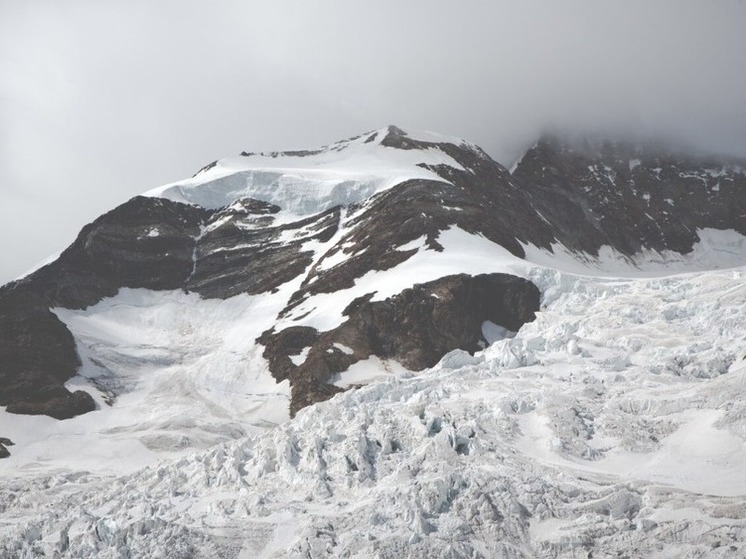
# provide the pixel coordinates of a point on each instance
(102, 100)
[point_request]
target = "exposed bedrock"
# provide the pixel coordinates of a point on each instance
(242, 251)
(37, 357)
(145, 242)
(4, 443)
(631, 196)
(416, 328)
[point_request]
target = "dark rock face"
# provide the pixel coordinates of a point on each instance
(37, 356)
(281, 345)
(4, 452)
(631, 196)
(146, 242)
(242, 251)
(416, 328)
(421, 324)
(56, 402)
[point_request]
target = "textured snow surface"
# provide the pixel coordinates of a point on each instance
(614, 424)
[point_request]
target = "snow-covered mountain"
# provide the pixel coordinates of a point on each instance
(538, 362)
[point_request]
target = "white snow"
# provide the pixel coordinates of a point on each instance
(343, 173)
(299, 359)
(344, 349)
(436, 138)
(414, 244)
(716, 249)
(367, 371)
(494, 332)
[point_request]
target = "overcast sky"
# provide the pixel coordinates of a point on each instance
(104, 99)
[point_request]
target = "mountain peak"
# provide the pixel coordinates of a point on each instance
(312, 180)
(219, 306)
(397, 137)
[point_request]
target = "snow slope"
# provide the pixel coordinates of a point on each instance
(716, 250)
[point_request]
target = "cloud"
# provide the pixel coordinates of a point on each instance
(101, 101)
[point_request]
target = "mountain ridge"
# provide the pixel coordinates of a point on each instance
(378, 351)
(333, 216)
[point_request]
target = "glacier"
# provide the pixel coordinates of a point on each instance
(613, 424)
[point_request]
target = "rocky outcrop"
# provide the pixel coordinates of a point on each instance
(4, 443)
(243, 251)
(145, 242)
(479, 198)
(37, 357)
(630, 196)
(415, 328)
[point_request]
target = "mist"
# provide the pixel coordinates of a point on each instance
(102, 101)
